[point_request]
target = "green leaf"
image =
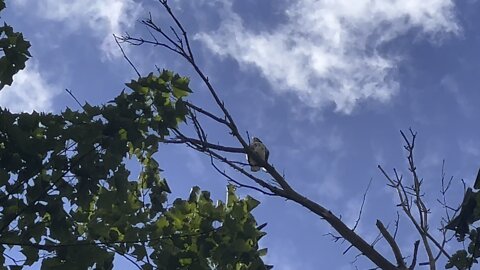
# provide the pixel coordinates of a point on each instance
(262, 252)
(194, 194)
(140, 252)
(185, 261)
(52, 263)
(91, 110)
(166, 75)
(31, 255)
(73, 166)
(4, 177)
(251, 203)
(179, 92)
(123, 134)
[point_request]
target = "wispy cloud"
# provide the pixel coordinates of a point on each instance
(29, 91)
(102, 18)
(328, 51)
(451, 85)
(470, 147)
(324, 148)
(329, 188)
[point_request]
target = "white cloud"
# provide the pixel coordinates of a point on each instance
(328, 188)
(103, 18)
(327, 51)
(29, 91)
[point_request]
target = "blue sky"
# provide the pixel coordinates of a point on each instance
(326, 85)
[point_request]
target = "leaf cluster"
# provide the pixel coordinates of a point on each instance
(15, 52)
(66, 195)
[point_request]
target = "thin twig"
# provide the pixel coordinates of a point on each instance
(210, 115)
(223, 173)
(184, 139)
(125, 56)
(415, 252)
(361, 206)
(73, 96)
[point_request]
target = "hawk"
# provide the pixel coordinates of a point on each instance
(262, 152)
(460, 224)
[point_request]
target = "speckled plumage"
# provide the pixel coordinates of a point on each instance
(258, 147)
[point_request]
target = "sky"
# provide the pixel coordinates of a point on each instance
(326, 85)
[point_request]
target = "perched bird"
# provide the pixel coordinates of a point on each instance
(468, 211)
(262, 152)
(460, 224)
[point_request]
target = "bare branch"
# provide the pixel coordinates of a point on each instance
(183, 140)
(415, 252)
(208, 114)
(74, 98)
(149, 22)
(180, 26)
(139, 41)
(363, 203)
(393, 245)
(125, 56)
(404, 193)
(182, 47)
(237, 182)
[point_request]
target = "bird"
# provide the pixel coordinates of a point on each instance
(460, 224)
(262, 152)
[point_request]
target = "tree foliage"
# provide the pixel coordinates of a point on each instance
(66, 195)
(465, 231)
(67, 198)
(15, 52)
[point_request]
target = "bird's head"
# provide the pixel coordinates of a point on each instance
(257, 140)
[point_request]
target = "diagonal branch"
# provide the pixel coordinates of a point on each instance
(206, 113)
(199, 143)
(415, 253)
(182, 47)
(224, 174)
(393, 245)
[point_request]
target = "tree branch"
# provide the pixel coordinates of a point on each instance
(393, 245)
(182, 47)
(415, 252)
